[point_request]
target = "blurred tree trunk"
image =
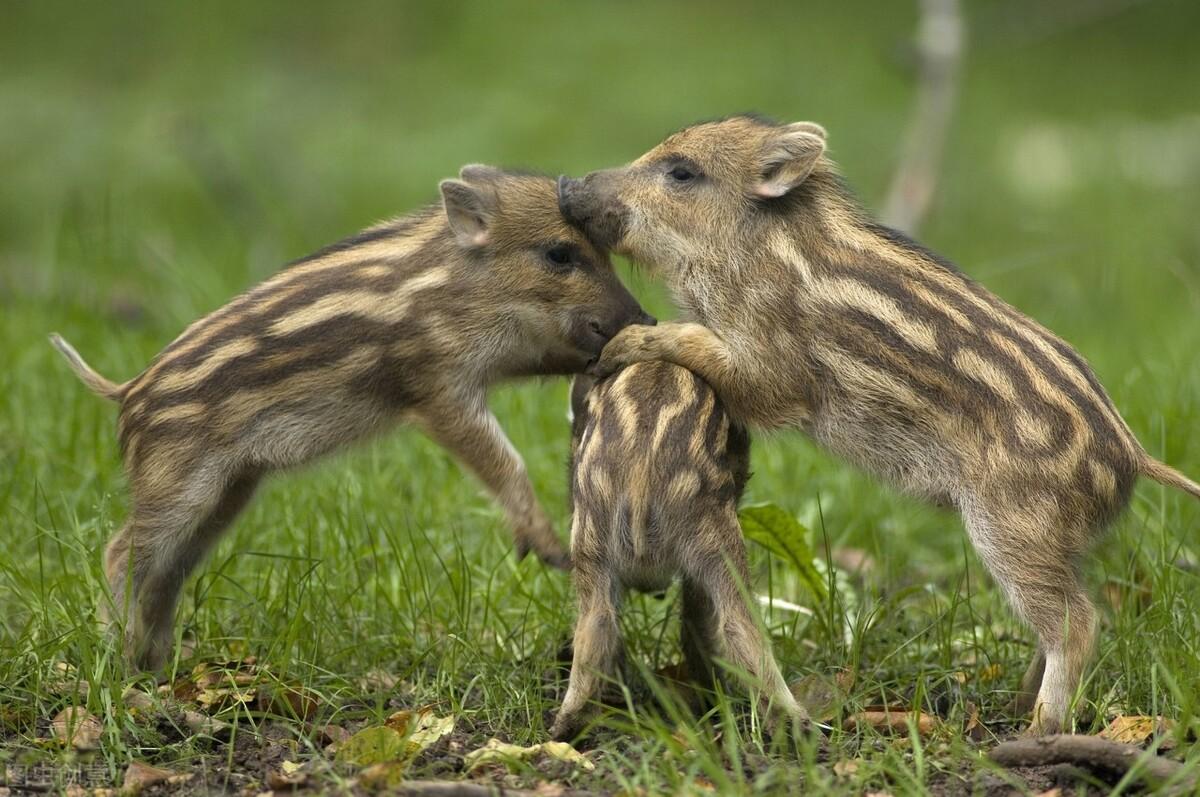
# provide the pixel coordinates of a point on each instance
(940, 44)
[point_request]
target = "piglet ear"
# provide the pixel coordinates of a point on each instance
(788, 157)
(480, 174)
(469, 211)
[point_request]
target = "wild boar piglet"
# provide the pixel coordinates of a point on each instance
(804, 312)
(411, 320)
(657, 470)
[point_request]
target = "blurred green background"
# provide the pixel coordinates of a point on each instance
(160, 157)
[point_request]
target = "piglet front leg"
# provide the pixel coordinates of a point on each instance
(467, 429)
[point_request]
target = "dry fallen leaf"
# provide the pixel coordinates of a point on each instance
(333, 734)
(138, 701)
(377, 744)
(974, 728)
(204, 724)
(138, 776)
(891, 719)
(290, 776)
(1055, 792)
(845, 768)
(289, 701)
(1136, 729)
(405, 735)
(65, 681)
(216, 699)
(421, 728)
(75, 727)
(498, 752)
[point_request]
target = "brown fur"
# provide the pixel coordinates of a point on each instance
(804, 312)
(412, 320)
(657, 469)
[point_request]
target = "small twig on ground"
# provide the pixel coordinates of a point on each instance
(1104, 757)
(940, 45)
(452, 788)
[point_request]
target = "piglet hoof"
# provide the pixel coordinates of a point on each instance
(1041, 725)
(552, 554)
(566, 728)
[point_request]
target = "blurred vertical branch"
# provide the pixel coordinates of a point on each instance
(940, 43)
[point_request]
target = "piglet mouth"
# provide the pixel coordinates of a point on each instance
(590, 338)
(598, 338)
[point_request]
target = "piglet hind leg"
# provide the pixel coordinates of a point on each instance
(597, 651)
(1031, 684)
(147, 562)
(1035, 564)
(737, 634)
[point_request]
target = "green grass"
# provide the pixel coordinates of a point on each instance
(158, 159)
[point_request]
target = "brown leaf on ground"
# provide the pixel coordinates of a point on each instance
(289, 776)
(204, 724)
(373, 745)
(138, 776)
(1136, 729)
(65, 681)
(845, 767)
(75, 727)
(138, 701)
(974, 728)
(891, 719)
(289, 701)
(332, 734)
(405, 736)
(498, 752)
(215, 700)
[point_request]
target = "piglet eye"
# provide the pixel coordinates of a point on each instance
(560, 255)
(682, 174)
